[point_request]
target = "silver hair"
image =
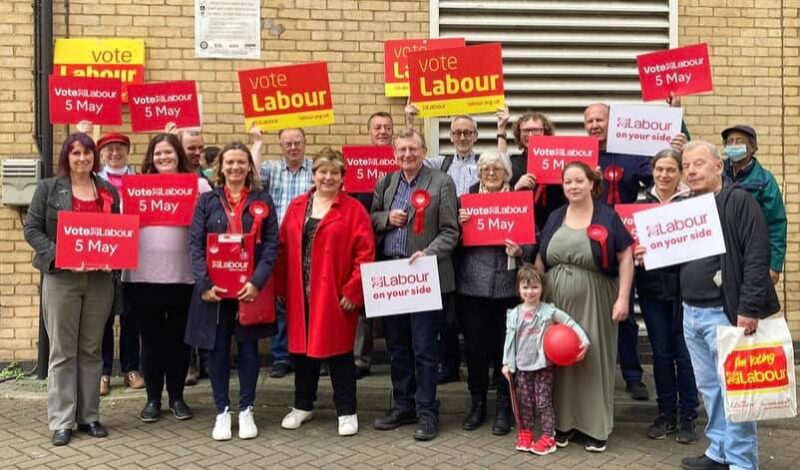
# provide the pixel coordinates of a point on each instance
(466, 118)
(712, 149)
(491, 157)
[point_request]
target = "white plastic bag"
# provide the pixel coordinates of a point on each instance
(757, 372)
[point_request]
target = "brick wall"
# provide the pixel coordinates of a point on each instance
(755, 70)
(754, 55)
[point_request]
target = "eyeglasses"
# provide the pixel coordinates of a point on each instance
(532, 130)
(291, 144)
(458, 134)
(488, 170)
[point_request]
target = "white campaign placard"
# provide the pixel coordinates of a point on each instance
(394, 287)
(641, 129)
(680, 231)
(227, 29)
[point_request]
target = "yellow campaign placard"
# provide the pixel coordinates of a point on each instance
(101, 58)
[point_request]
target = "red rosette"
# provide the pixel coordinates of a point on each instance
(599, 234)
(420, 199)
(106, 200)
(259, 210)
(613, 174)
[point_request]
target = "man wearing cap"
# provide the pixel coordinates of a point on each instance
(745, 170)
(113, 149)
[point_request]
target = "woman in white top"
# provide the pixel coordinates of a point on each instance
(161, 289)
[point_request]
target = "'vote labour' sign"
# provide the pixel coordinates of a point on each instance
(464, 80)
(395, 60)
(160, 199)
(278, 98)
(94, 240)
(394, 287)
(626, 212)
(683, 71)
(495, 217)
(680, 231)
(366, 164)
(122, 59)
(547, 155)
(154, 105)
(97, 100)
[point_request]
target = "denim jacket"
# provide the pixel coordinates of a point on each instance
(546, 315)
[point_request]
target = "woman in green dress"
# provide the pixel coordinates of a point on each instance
(585, 251)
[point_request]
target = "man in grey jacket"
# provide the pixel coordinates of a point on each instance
(411, 338)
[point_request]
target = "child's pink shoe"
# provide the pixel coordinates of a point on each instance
(545, 445)
(524, 439)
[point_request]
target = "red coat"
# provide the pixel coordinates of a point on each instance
(343, 241)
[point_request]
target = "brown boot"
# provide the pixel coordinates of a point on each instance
(134, 380)
(105, 385)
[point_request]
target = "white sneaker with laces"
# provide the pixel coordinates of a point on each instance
(247, 426)
(348, 425)
(296, 418)
(222, 426)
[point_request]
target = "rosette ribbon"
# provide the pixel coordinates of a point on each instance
(259, 210)
(613, 174)
(420, 199)
(599, 234)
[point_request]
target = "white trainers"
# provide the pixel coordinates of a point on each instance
(295, 418)
(222, 426)
(247, 426)
(348, 425)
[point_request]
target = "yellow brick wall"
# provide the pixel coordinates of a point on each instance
(755, 70)
(754, 54)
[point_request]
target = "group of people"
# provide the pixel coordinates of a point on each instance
(311, 238)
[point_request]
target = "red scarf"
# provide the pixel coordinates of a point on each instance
(235, 210)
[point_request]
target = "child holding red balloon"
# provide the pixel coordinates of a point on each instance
(538, 335)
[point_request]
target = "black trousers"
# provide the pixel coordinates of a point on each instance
(343, 379)
(163, 311)
(483, 322)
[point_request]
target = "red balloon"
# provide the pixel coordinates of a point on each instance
(561, 345)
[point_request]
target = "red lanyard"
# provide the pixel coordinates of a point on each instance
(234, 211)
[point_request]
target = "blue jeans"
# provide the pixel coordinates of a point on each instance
(279, 344)
(628, 347)
(219, 362)
(672, 368)
(733, 443)
(414, 357)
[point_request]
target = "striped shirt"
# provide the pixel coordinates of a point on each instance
(284, 185)
(463, 171)
(396, 241)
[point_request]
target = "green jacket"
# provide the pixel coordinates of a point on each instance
(761, 184)
(546, 315)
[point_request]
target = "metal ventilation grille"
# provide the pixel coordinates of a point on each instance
(558, 56)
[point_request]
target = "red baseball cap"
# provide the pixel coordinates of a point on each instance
(113, 137)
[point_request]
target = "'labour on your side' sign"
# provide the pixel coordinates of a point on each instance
(395, 287)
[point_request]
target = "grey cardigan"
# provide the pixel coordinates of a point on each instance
(547, 315)
(53, 195)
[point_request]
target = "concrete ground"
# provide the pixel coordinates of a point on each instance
(25, 439)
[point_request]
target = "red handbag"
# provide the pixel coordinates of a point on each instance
(262, 309)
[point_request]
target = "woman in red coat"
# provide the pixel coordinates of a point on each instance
(325, 236)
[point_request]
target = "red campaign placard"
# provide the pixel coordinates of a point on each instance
(160, 199)
(496, 217)
(94, 240)
(229, 258)
(154, 105)
(75, 99)
(395, 60)
(366, 164)
(275, 98)
(463, 80)
(684, 71)
(547, 155)
(626, 212)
